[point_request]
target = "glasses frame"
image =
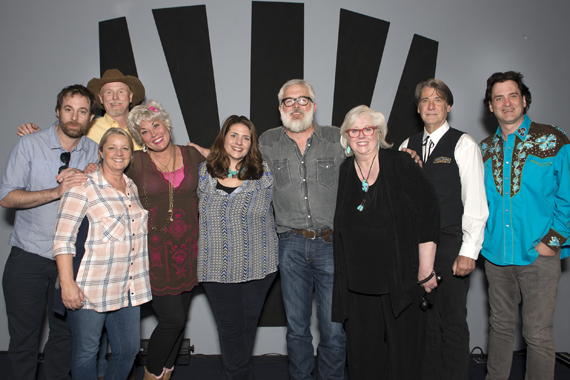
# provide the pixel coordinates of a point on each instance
(65, 157)
(293, 100)
(361, 131)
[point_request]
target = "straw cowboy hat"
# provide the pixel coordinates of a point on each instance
(114, 75)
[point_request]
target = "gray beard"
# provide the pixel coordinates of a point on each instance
(297, 125)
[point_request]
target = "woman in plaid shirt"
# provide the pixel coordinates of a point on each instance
(112, 280)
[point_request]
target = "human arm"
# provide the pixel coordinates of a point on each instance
(427, 260)
(475, 210)
(558, 230)
(26, 129)
(20, 198)
(203, 151)
(404, 148)
(71, 295)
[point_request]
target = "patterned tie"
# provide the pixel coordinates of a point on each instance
(428, 146)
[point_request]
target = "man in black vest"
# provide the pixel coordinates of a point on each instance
(452, 160)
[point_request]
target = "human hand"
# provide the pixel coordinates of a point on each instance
(203, 151)
(72, 297)
(544, 250)
(429, 285)
(26, 129)
(90, 168)
(463, 266)
(414, 155)
(69, 178)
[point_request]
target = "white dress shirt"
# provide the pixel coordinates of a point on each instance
(471, 173)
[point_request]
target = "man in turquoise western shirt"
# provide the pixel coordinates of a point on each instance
(527, 182)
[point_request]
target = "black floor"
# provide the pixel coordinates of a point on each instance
(209, 367)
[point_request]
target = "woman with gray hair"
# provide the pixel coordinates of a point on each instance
(385, 231)
(167, 177)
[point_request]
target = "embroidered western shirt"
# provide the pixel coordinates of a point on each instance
(527, 180)
(115, 263)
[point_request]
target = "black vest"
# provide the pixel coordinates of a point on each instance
(442, 170)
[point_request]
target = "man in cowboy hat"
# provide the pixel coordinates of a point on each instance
(114, 92)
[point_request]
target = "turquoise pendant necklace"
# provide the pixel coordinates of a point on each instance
(365, 184)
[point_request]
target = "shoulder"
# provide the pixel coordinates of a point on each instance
(192, 154)
(270, 136)
(330, 133)
(557, 132)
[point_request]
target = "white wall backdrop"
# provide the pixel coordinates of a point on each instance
(47, 45)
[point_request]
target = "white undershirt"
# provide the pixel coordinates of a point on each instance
(472, 174)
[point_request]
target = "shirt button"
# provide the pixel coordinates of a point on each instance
(303, 179)
(305, 197)
(309, 216)
(302, 162)
(507, 162)
(507, 225)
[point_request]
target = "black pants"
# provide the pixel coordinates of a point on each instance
(29, 283)
(164, 343)
(237, 308)
(380, 346)
(447, 336)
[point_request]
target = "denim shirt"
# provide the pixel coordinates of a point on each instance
(32, 166)
(305, 184)
(527, 181)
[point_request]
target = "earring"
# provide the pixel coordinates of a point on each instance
(347, 150)
(144, 148)
(378, 145)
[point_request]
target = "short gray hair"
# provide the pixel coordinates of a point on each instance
(300, 82)
(353, 115)
(151, 110)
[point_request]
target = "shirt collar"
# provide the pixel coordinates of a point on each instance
(317, 131)
(109, 120)
(56, 144)
(521, 132)
(101, 182)
(437, 134)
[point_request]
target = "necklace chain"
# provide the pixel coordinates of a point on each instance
(365, 184)
(170, 180)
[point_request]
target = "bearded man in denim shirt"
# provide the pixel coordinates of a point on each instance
(527, 181)
(305, 158)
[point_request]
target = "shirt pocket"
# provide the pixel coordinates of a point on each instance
(281, 172)
(326, 172)
(113, 228)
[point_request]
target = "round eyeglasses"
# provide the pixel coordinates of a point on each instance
(366, 131)
(301, 100)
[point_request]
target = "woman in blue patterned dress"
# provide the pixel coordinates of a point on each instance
(237, 244)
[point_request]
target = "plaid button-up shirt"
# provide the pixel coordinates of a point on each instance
(115, 263)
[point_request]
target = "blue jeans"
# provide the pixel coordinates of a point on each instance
(123, 329)
(306, 264)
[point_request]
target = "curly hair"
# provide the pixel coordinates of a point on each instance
(218, 160)
(151, 110)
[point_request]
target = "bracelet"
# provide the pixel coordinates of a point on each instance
(427, 278)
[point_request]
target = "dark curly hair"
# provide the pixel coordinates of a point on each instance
(218, 160)
(73, 90)
(503, 77)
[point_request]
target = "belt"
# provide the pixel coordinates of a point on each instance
(325, 234)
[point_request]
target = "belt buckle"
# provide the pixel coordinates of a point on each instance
(314, 233)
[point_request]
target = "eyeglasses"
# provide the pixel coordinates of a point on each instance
(366, 131)
(301, 100)
(65, 156)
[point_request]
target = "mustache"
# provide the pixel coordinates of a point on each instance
(296, 110)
